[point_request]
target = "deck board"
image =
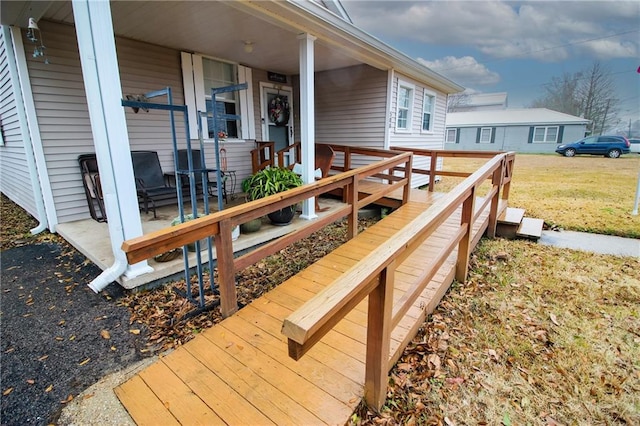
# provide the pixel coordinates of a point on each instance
(238, 371)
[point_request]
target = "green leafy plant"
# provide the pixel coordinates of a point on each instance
(270, 181)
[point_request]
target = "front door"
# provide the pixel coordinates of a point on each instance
(277, 118)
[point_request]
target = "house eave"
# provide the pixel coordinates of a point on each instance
(322, 23)
(523, 123)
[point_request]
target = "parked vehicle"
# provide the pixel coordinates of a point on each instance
(635, 145)
(609, 146)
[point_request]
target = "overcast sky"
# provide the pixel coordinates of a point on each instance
(513, 47)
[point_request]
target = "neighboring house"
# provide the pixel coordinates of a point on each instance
(482, 102)
(341, 84)
(537, 130)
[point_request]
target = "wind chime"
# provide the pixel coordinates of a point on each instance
(34, 35)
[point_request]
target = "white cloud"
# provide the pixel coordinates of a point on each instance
(465, 70)
(543, 30)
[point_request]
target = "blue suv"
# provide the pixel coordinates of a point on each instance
(609, 146)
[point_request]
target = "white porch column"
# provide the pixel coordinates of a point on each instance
(307, 118)
(96, 44)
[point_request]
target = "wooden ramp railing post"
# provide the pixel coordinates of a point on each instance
(226, 270)
(432, 170)
(464, 247)
(379, 338)
(496, 180)
(352, 199)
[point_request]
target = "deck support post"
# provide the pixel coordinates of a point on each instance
(378, 338)
(307, 118)
(506, 176)
(352, 200)
(464, 247)
(432, 170)
(496, 181)
(226, 270)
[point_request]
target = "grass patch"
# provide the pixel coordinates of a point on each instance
(537, 335)
(591, 194)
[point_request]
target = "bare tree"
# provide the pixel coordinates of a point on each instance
(561, 94)
(588, 93)
(457, 101)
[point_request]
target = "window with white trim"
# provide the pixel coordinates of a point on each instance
(428, 108)
(404, 106)
(221, 74)
(545, 134)
(485, 135)
(200, 74)
(451, 135)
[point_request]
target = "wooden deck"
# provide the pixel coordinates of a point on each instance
(239, 372)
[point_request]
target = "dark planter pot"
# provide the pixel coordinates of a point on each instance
(283, 216)
(251, 226)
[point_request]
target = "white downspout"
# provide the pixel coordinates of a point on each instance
(30, 131)
(96, 44)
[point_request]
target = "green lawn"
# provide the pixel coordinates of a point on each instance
(592, 194)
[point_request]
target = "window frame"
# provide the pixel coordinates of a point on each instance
(196, 98)
(482, 130)
(545, 134)
(455, 135)
(427, 94)
(409, 119)
(235, 101)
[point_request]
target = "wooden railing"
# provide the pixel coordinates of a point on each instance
(373, 276)
(220, 224)
(436, 154)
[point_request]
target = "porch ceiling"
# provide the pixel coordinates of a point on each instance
(214, 28)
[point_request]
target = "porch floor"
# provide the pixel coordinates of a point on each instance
(91, 238)
(239, 372)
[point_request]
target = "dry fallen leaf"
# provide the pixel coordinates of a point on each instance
(105, 334)
(7, 391)
(30, 381)
(69, 399)
(91, 395)
(554, 319)
(134, 331)
(43, 357)
(49, 388)
(85, 361)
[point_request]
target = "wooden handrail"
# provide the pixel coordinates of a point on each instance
(373, 276)
(220, 224)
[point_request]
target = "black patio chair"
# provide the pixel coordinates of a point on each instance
(210, 174)
(151, 184)
(92, 189)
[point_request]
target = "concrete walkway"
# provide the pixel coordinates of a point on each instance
(596, 243)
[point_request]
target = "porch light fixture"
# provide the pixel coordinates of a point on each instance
(34, 35)
(248, 46)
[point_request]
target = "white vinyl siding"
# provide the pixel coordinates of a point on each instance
(15, 180)
(545, 134)
(350, 106)
(415, 137)
(61, 106)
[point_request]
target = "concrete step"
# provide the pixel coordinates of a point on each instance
(511, 216)
(530, 228)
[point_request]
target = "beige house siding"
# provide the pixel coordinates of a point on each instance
(351, 106)
(416, 138)
(15, 181)
(64, 120)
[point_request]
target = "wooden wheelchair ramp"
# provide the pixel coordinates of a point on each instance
(239, 371)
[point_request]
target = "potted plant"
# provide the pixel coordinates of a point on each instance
(271, 181)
